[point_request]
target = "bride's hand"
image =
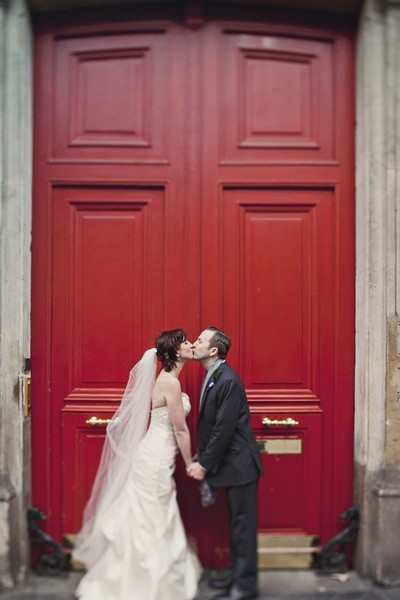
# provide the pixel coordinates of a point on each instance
(196, 471)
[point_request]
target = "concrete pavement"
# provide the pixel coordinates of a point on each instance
(274, 585)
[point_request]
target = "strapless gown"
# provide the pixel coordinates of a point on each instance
(147, 556)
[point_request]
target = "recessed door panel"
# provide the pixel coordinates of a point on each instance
(106, 241)
(278, 245)
(291, 457)
(111, 97)
(82, 444)
(278, 95)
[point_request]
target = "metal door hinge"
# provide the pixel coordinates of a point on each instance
(25, 387)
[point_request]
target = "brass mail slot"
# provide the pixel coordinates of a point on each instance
(280, 446)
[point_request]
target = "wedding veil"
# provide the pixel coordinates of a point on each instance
(123, 434)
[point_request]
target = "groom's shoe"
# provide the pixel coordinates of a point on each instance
(236, 594)
(220, 583)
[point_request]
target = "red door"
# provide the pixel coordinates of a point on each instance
(187, 177)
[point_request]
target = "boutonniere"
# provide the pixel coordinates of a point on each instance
(214, 379)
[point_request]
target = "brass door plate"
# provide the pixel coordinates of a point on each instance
(280, 446)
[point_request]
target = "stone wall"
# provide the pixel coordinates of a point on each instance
(15, 240)
(377, 382)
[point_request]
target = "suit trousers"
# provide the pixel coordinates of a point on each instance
(242, 502)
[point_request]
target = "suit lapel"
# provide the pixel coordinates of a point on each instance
(210, 385)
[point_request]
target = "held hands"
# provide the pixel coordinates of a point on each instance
(195, 471)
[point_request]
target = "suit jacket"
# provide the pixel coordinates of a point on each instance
(226, 444)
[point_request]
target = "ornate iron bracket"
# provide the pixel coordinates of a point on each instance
(53, 561)
(332, 559)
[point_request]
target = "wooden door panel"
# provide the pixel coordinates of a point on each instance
(106, 244)
(277, 288)
(111, 98)
(289, 497)
(278, 97)
(81, 450)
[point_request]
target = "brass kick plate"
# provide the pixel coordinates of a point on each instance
(69, 540)
(280, 446)
(286, 552)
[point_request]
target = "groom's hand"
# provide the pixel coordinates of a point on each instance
(196, 471)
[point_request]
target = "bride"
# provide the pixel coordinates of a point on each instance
(132, 539)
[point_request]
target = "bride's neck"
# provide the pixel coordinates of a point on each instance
(176, 371)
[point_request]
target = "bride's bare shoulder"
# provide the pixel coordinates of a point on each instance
(166, 389)
(168, 381)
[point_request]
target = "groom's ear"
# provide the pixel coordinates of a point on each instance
(214, 351)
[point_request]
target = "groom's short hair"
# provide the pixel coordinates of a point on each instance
(220, 341)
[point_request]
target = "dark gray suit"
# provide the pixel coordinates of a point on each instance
(228, 451)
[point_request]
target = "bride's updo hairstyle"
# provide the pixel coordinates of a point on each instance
(167, 345)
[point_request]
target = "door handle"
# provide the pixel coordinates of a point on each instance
(96, 422)
(289, 422)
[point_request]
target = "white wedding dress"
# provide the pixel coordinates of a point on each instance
(147, 556)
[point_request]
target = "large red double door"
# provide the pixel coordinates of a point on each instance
(187, 176)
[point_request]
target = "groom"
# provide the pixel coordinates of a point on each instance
(228, 456)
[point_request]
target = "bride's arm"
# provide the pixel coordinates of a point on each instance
(173, 397)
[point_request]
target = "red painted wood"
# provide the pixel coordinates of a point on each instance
(82, 445)
(182, 178)
(291, 476)
(280, 194)
(111, 89)
(283, 104)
